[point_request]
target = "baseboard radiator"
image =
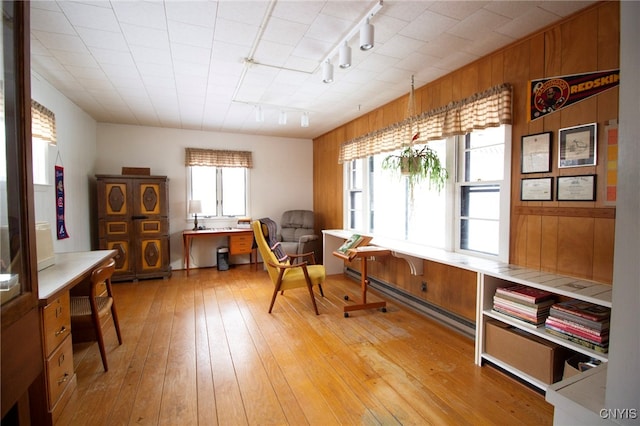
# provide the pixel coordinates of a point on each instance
(449, 319)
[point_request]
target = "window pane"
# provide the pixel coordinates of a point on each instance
(233, 191)
(481, 202)
(203, 187)
(484, 155)
(355, 210)
(40, 164)
(479, 235)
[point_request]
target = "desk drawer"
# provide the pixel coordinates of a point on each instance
(57, 323)
(240, 244)
(59, 370)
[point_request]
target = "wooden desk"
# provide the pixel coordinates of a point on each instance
(240, 241)
(51, 392)
(364, 253)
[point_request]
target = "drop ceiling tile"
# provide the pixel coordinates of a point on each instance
(272, 53)
(137, 35)
(526, 24)
(148, 14)
(303, 12)
(192, 35)
(60, 41)
(112, 57)
(428, 26)
(97, 15)
(198, 56)
(198, 13)
(478, 25)
(142, 54)
(104, 39)
(52, 22)
(248, 12)
(329, 29)
(564, 8)
(284, 32)
(459, 10)
(399, 47)
(235, 32)
(71, 59)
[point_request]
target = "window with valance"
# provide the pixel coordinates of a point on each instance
(490, 108)
(218, 158)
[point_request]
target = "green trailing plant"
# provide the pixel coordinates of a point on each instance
(418, 164)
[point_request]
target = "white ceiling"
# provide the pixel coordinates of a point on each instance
(182, 64)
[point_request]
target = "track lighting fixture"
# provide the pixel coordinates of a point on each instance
(282, 118)
(259, 114)
(366, 36)
(304, 119)
(345, 55)
(327, 72)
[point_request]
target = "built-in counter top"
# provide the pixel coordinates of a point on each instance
(414, 254)
(68, 270)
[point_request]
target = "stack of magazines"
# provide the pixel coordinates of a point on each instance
(580, 322)
(524, 303)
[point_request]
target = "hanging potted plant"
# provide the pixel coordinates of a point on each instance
(419, 162)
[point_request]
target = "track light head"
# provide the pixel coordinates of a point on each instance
(259, 114)
(366, 36)
(327, 72)
(304, 119)
(345, 55)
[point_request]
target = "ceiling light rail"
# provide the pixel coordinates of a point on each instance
(282, 112)
(342, 48)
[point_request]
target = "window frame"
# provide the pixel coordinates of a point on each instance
(219, 195)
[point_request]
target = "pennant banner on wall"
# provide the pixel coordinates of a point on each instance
(61, 229)
(548, 95)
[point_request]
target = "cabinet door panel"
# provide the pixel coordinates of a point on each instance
(149, 198)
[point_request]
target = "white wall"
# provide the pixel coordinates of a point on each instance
(623, 371)
(76, 148)
(281, 177)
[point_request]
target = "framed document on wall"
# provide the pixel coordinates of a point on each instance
(577, 146)
(536, 153)
(576, 188)
(536, 189)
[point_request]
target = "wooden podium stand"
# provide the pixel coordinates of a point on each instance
(364, 253)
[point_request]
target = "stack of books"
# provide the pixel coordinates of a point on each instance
(580, 322)
(524, 303)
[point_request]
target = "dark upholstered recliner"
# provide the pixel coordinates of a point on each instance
(297, 234)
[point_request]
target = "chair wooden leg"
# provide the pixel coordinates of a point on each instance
(321, 292)
(313, 298)
(116, 323)
(273, 298)
(100, 339)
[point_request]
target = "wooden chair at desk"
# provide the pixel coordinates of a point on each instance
(89, 313)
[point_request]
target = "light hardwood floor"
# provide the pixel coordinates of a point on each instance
(203, 350)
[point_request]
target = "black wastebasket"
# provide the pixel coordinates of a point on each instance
(223, 259)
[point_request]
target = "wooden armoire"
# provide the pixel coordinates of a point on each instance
(133, 218)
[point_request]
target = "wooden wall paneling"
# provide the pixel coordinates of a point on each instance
(579, 47)
(533, 241)
(549, 243)
(603, 249)
(446, 90)
(609, 36)
(469, 76)
(497, 69)
(575, 246)
(484, 79)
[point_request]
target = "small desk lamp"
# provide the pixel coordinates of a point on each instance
(195, 207)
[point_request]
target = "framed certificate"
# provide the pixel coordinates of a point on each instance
(577, 146)
(536, 189)
(576, 188)
(536, 153)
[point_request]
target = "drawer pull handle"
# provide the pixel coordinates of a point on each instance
(62, 330)
(63, 379)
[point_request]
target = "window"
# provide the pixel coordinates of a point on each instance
(222, 190)
(482, 214)
(471, 214)
(218, 178)
(43, 134)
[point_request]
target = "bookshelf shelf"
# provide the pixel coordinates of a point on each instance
(558, 285)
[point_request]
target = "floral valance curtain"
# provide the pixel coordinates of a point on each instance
(487, 109)
(217, 158)
(43, 123)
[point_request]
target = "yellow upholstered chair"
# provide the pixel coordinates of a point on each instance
(90, 313)
(283, 273)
